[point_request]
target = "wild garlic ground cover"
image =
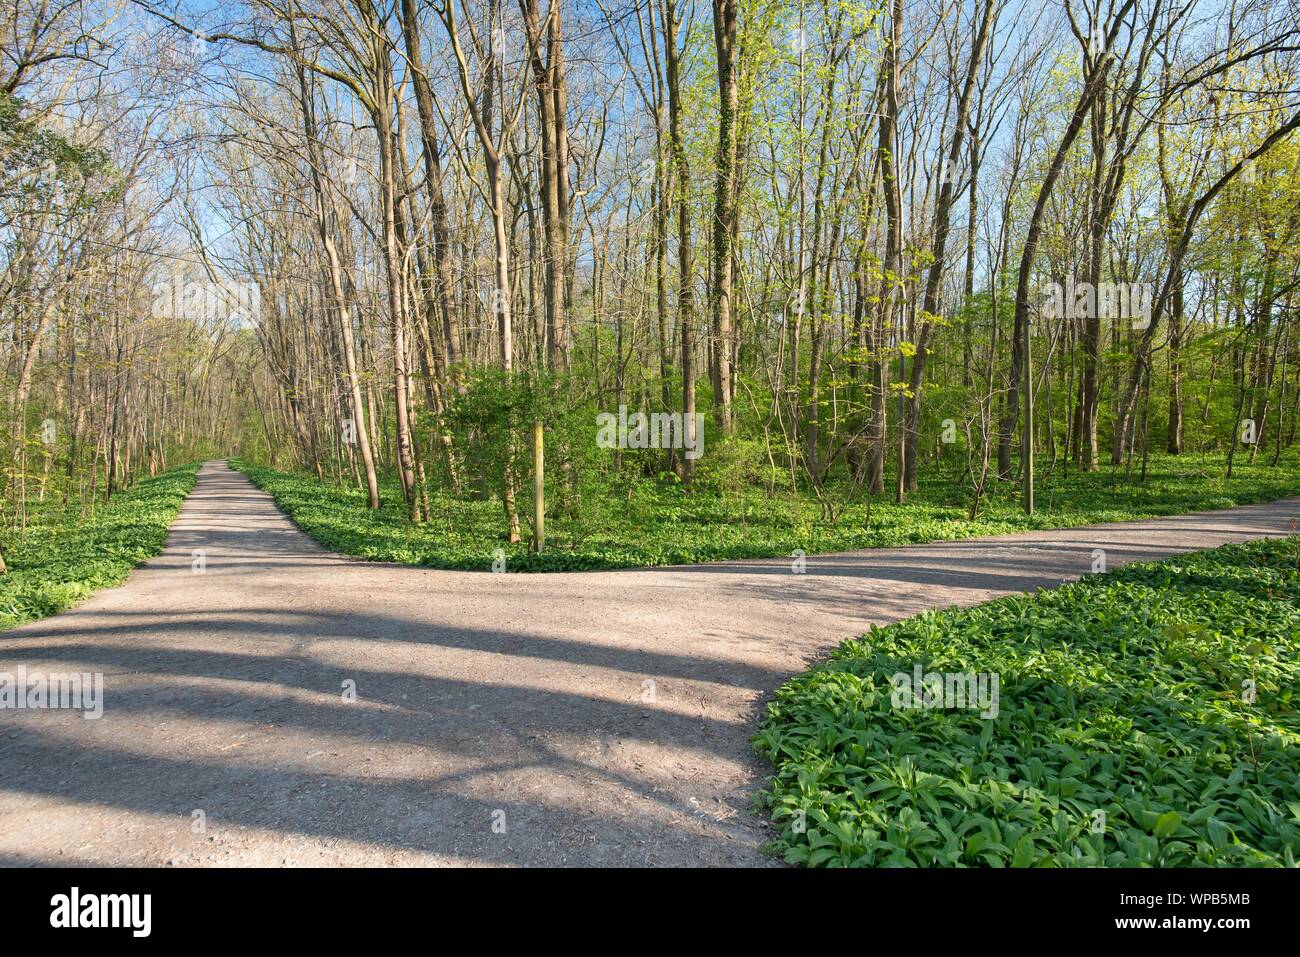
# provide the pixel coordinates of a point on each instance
(643, 522)
(62, 557)
(1146, 717)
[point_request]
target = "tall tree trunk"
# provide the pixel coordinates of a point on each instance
(1019, 333)
(442, 253)
(891, 281)
(326, 220)
(548, 77)
(938, 252)
(725, 34)
(382, 116)
(671, 22)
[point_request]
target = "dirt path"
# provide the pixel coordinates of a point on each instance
(585, 718)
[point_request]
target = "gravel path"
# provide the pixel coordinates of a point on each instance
(595, 718)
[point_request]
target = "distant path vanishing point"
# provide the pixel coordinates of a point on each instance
(580, 718)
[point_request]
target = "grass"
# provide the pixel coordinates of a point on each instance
(61, 558)
(653, 523)
(1146, 717)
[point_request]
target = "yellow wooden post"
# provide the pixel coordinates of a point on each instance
(539, 487)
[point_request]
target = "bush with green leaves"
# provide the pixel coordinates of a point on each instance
(1147, 717)
(62, 557)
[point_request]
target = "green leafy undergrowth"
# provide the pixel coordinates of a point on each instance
(1146, 717)
(61, 557)
(646, 522)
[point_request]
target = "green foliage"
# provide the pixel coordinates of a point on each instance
(736, 463)
(1122, 693)
(38, 161)
(61, 558)
(632, 520)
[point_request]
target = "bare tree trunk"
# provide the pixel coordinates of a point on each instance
(382, 115)
(1019, 334)
(942, 216)
(725, 34)
(892, 280)
(326, 212)
(671, 20)
(451, 332)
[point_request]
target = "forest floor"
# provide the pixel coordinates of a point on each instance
(638, 522)
(65, 553)
(275, 703)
